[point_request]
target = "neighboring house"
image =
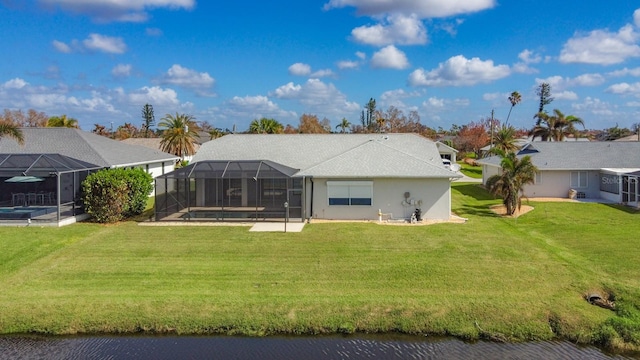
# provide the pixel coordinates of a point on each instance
(447, 152)
(48, 169)
(154, 143)
(320, 176)
(594, 170)
(634, 137)
(520, 142)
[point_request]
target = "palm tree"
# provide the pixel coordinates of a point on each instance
(505, 140)
(216, 133)
(516, 173)
(344, 125)
(179, 134)
(555, 127)
(514, 99)
(100, 130)
(63, 121)
(380, 123)
(265, 126)
(11, 130)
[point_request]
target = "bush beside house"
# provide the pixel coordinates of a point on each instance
(111, 195)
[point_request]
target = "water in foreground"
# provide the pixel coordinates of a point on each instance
(334, 347)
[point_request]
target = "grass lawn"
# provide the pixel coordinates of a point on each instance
(470, 171)
(492, 277)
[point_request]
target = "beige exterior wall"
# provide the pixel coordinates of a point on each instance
(553, 183)
(558, 184)
(388, 196)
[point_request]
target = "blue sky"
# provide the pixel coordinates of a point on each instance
(229, 62)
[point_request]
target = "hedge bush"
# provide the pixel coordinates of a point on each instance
(111, 195)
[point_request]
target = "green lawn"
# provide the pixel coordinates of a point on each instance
(492, 277)
(470, 171)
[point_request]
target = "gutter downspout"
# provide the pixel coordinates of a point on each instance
(311, 201)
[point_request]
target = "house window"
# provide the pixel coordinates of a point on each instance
(578, 179)
(538, 179)
(350, 192)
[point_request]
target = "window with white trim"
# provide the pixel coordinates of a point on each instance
(578, 179)
(537, 180)
(350, 193)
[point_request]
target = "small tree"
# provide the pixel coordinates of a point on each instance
(111, 195)
(516, 173)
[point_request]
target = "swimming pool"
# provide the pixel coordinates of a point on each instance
(24, 212)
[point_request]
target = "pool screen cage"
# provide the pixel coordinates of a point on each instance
(229, 190)
(41, 187)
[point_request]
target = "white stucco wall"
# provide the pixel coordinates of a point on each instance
(558, 184)
(388, 196)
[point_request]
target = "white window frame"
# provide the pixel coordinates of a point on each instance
(343, 193)
(581, 176)
(537, 179)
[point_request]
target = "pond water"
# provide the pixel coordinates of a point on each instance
(334, 347)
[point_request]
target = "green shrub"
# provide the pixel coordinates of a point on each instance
(111, 195)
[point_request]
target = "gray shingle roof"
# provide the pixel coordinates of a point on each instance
(81, 145)
(335, 155)
(578, 155)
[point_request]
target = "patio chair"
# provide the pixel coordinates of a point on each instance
(17, 199)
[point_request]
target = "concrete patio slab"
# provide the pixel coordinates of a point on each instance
(277, 226)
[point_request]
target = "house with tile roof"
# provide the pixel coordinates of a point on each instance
(319, 176)
(591, 170)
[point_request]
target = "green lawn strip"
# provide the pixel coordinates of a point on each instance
(470, 170)
(491, 277)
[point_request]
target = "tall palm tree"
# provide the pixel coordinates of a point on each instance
(11, 130)
(215, 133)
(63, 121)
(179, 134)
(505, 140)
(344, 125)
(515, 98)
(266, 126)
(556, 127)
(516, 173)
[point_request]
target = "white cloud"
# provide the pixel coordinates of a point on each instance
(317, 97)
(117, 10)
(561, 83)
(254, 107)
(523, 68)
(155, 95)
(16, 83)
(121, 70)
(424, 8)
(625, 89)
(389, 57)
(565, 95)
(200, 82)
(435, 104)
(625, 72)
(300, 69)
(361, 55)
(636, 18)
(348, 64)
(529, 57)
(397, 29)
(595, 106)
(396, 97)
(107, 44)
(459, 71)
(61, 47)
(602, 47)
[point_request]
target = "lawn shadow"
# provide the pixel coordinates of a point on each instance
(627, 209)
(476, 191)
(477, 210)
